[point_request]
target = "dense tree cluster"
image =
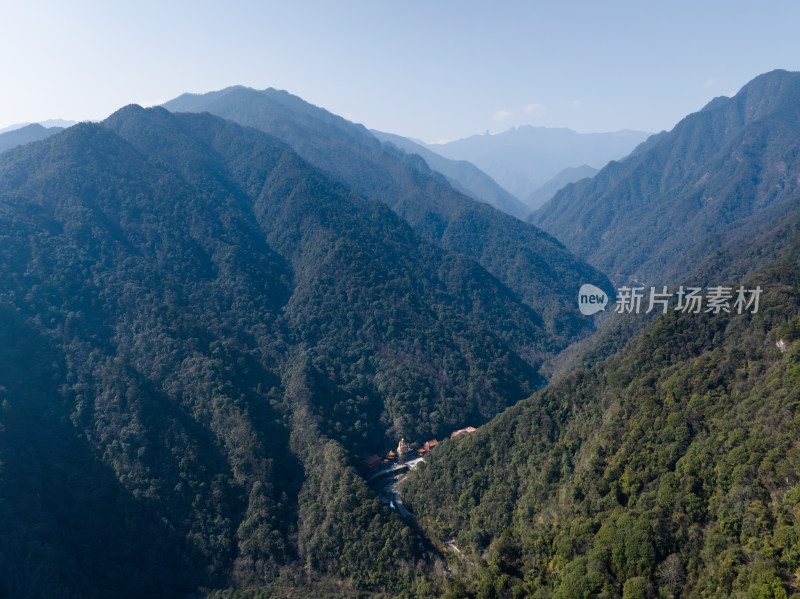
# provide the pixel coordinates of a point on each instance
(204, 329)
(202, 337)
(669, 469)
(531, 263)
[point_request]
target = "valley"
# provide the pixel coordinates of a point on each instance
(253, 349)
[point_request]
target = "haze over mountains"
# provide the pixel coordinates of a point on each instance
(723, 175)
(60, 123)
(525, 158)
(462, 175)
(210, 314)
(569, 175)
(26, 134)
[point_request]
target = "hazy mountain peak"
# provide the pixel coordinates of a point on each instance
(48, 124)
(25, 134)
(461, 174)
(723, 174)
(133, 109)
(524, 158)
(715, 103)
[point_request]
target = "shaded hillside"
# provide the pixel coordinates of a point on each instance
(462, 175)
(201, 337)
(725, 174)
(670, 469)
(729, 267)
(528, 261)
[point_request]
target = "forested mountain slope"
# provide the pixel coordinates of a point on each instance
(201, 336)
(725, 174)
(528, 261)
(669, 469)
(542, 194)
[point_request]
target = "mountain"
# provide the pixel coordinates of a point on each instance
(205, 328)
(529, 262)
(462, 175)
(724, 174)
(202, 335)
(24, 135)
(48, 124)
(525, 158)
(569, 175)
(62, 123)
(667, 470)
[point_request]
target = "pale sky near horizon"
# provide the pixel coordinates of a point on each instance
(425, 69)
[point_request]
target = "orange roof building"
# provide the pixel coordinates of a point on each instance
(428, 445)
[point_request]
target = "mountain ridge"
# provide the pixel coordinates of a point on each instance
(643, 474)
(26, 134)
(462, 175)
(531, 263)
(548, 189)
(669, 189)
(227, 333)
(524, 158)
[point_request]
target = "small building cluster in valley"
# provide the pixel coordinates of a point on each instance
(406, 451)
(427, 446)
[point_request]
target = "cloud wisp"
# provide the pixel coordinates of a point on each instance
(533, 108)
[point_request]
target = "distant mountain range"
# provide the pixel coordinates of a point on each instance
(462, 175)
(60, 123)
(26, 134)
(724, 175)
(569, 175)
(524, 158)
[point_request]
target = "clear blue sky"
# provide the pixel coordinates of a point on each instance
(435, 70)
